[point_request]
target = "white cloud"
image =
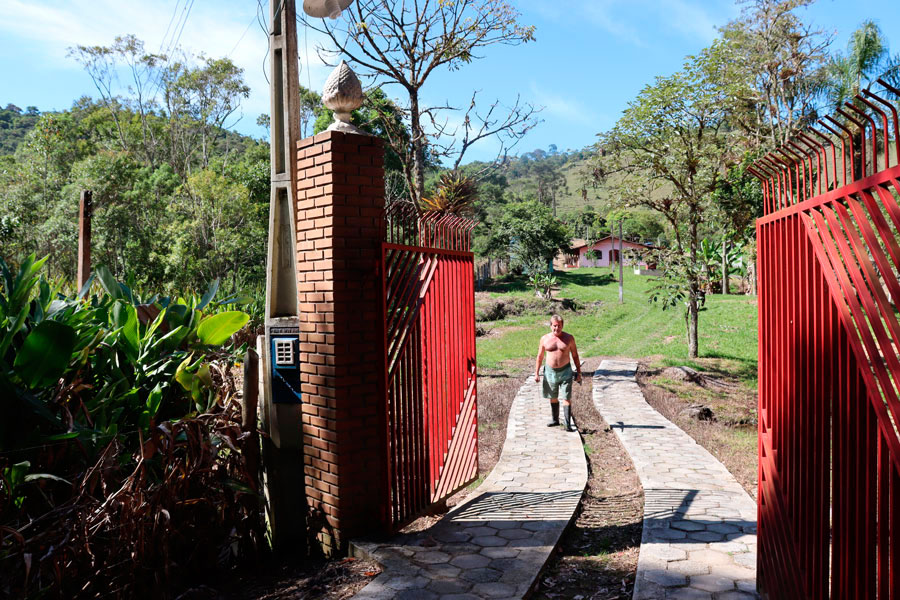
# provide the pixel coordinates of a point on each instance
(602, 13)
(690, 18)
(215, 29)
(565, 108)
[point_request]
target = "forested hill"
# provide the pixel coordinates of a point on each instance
(178, 201)
(553, 177)
(562, 181)
(14, 124)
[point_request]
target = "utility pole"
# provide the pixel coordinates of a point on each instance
(621, 260)
(280, 400)
(281, 276)
(282, 412)
(85, 213)
(612, 247)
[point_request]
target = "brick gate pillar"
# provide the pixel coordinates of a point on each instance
(340, 214)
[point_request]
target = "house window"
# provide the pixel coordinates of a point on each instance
(599, 254)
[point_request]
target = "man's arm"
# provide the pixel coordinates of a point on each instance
(574, 350)
(540, 359)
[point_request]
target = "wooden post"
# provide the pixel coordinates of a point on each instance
(250, 444)
(85, 211)
(281, 277)
(725, 289)
(621, 260)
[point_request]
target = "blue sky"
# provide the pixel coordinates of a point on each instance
(590, 58)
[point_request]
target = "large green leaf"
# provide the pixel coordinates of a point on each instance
(7, 338)
(182, 375)
(49, 476)
(109, 283)
(155, 400)
(124, 316)
(87, 286)
(18, 289)
(216, 329)
(208, 296)
(45, 353)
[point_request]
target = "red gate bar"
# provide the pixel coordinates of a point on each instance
(829, 370)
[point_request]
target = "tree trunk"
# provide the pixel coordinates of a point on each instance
(418, 141)
(859, 166)
(753, 282)
(692, 320)
(694, 293)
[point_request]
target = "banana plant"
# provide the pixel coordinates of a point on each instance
(543, 284)
(709, 253)
(100, 365)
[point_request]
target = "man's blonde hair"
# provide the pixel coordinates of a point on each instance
(556, 319)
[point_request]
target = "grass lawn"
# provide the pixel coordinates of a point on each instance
(635, 329)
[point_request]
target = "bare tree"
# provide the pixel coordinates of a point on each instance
(404, 41)
(182, 107)
(103, 64)
(783, 61)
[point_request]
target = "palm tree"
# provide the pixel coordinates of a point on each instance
(868, 59)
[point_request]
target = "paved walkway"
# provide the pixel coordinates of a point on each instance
(495, 544)
(699, 538)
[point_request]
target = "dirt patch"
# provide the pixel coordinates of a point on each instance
(597, 556)
(297, 580)
(497, 389)
(730, 435)
(493, 332)
(490, 309)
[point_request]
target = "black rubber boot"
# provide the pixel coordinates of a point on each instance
(567, 411)
(554, 406)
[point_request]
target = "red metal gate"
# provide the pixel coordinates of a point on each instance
(829, 450)
(430, 383)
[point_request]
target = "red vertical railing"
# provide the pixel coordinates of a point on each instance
(430, 378)
(829, 400)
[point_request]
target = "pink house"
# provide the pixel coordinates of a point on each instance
(607, 251)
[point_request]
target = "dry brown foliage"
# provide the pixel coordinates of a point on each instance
(135, 523)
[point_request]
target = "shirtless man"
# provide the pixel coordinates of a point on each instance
(559, 346)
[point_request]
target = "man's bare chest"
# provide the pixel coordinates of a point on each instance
(554, 344)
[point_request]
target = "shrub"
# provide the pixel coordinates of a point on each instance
(120, 463)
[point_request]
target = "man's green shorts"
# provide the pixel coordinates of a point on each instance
(558, 382)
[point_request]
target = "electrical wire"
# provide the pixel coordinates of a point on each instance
(265, 29)
(162, 42)
(240, 39)
(173, 42)
(183, 23)
(306, 54)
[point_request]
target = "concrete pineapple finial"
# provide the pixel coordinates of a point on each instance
(342, 95)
